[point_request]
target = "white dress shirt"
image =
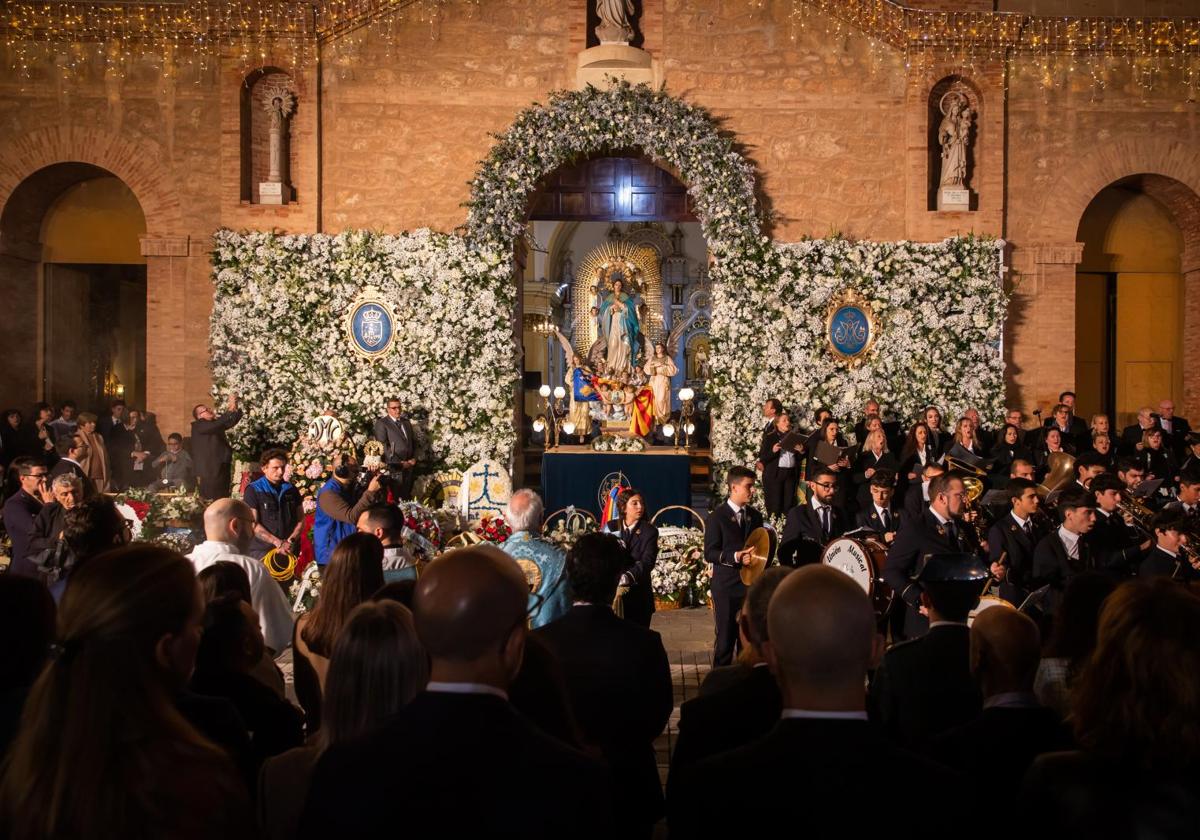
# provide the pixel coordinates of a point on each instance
(1070, 541)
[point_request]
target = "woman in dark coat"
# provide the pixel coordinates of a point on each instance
(640, 539)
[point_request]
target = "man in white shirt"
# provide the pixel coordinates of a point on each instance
(1171, 556)
(1062, 554)
(228, 531)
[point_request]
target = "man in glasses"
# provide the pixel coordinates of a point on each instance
(940, 529)
(21, 510)
(812, 525)
(395, 432)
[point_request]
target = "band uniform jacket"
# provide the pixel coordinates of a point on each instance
(1115, 545)
(803, 539)
(642, 544)
(924, 686)
(1159, 563)
(722, 537)
(397, 439)
(924, 535)
(868, 518)
(1053, 567)
(1007, 539)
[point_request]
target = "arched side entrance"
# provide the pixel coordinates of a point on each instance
(1129, 300)
(74, 277)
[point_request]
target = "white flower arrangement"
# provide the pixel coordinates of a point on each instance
(618, 443)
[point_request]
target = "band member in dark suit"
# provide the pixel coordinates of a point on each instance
(395, 432)
(916, 501)
(924, 686)
(640, 538)
(880, 515)
(618, 679)
(211, 452)
(1191, 460)
(1062, 554)
(806, 773)
(781, 470)
(940, 529)
(745, 709)
(725, 536)
(1188, 499)
(1170, 556)
(1115, 545)
(812, 525)
(1012, 540)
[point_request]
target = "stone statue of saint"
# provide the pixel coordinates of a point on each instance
(954, 133)
(615, 26)
(279, 103)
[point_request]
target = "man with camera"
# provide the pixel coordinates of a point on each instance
(395, 432)
(340, 501)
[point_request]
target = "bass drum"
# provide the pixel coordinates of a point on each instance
(987, 602)
(863, 561)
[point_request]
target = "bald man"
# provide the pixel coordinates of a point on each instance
(459, 761)
(1013, 727)
(806, 774)
(228, 532)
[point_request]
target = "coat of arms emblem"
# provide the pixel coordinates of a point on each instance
(370, 324)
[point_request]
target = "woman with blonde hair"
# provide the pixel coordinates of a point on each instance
(102, 750)
(95, 463)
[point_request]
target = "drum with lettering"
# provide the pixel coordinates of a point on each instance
(863, 560)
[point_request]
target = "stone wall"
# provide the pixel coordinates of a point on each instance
(389, 135)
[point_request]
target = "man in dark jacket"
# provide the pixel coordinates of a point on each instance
(21, 510)
(211, 452)
(395, 432)
(618, 679)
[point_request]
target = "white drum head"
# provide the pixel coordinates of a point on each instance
(987, 602)
(847, 556)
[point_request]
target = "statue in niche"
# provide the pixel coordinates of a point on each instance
(615, 26)
(280, 103)
(954, 134)
(620, 327)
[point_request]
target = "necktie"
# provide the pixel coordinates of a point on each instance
(952, 533)
(886, 520)
(825, 521)
(1028, 529)
(741, 520)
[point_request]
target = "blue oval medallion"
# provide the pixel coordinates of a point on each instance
(371, 328)
(849, 330)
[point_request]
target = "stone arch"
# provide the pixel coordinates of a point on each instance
(135, 162)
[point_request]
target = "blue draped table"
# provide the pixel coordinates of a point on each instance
(573, 478)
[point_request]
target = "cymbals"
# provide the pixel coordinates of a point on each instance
(760, 541)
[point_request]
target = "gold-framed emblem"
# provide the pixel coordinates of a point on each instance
(850, 326)
(370, 324)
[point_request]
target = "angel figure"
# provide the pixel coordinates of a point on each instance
(660, 368)
(581, 387)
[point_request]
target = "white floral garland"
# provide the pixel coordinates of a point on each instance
(278, 338)
(277, 332)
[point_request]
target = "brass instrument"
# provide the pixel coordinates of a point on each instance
(1188, 556)
(1062, 473)
(972, 479)
(1135, 510)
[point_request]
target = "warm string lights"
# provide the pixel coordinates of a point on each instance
(1055, 52)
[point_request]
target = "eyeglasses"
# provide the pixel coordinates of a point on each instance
(827, 485)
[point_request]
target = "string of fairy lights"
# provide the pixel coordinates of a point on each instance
(1095, 52)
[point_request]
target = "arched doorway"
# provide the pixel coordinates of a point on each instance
(75, 280)
(1129, 300)
(578, 211)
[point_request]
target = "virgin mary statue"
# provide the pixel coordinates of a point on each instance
(619, 327)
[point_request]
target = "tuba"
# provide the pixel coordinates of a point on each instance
(972, 479)
(1061, 473)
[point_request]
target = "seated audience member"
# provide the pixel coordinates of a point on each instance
(386, 522)
(1170, 557)
(1134, 711)
(48, 525)
(27, 627)
(617, 677)
(1013, 728)
(471, 613)
(228, 525)
(353, 575)
(224, 577)
(230, 648)
(175, 464)
(378, 666)
(551, 599)
(1072, 639)
(747, 707)
(539, 693)
(92, 527)
(807, 771)
(924, 686)
(103, 751)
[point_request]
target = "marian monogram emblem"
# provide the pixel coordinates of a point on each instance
(371, 324)
(850, 326)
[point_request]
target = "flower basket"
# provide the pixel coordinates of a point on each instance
(663, 604)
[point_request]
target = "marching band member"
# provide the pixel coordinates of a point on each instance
(812, 525)
(1013, 539)
(1062, 554)
(880, 515)
(640, 538)
(724, 547)
(1170, 556)
(1114, 541)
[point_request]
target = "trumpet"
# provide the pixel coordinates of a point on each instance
(1188, 556)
